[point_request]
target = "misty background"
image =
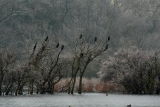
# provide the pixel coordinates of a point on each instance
(130, 23)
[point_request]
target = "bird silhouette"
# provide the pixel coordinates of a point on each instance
(80, 37)
(95, 39)
(109, 38)
(46, 38)
(62, 47)
(57, 45)
(35, 46)
(106, 47)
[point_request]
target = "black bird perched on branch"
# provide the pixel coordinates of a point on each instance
(109, 38)
(62, 47)
(80, 37)
(35, 46)
(46, 38)
(95, 39)
(57, 45)
(106, 47)
(81, 55)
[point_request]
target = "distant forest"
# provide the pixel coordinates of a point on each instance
(130, 23)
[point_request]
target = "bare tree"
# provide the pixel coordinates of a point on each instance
(46, 63)
(136, 70)
(7, 59)
(85, 51)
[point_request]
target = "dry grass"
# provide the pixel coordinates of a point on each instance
(90, 85)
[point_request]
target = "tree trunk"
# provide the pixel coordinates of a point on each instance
(31, 88)
(9, 89)
(0, 88)
(73, 85)
(50, 88)
(81, 78)
(53, 88)
(43, 88)
(69, 90)
(1, 81)
(20, 91)
(80, 84)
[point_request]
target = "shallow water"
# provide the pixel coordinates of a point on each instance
(85, 100)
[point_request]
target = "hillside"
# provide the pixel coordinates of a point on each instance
(129, 23)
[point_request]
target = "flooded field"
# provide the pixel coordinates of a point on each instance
(85, 100)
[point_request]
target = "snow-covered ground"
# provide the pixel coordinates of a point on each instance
(85, 100)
